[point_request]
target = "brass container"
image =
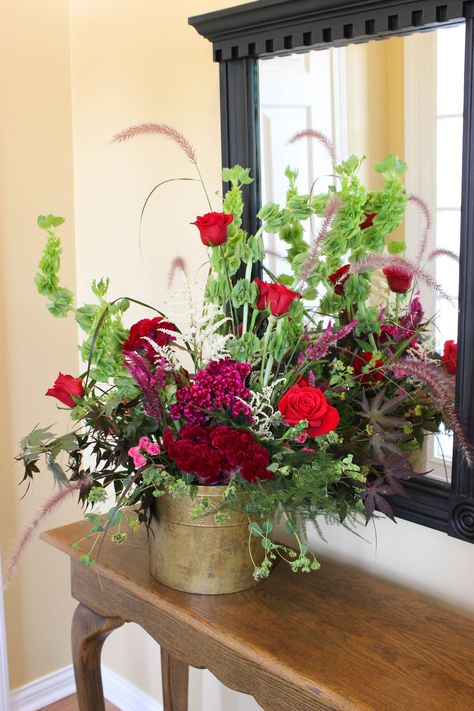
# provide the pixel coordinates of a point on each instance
(201, 556)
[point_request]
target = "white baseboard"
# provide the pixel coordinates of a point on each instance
(43, 691)
(59, 684)
(126, 696)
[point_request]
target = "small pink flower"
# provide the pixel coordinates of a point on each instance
(144, 443)
(301, 438)
(154, 448)
(134, 452)
(139, 461)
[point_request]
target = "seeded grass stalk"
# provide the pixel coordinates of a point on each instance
(379, 261)
(319, 136)
(173, 134)
(29, 531)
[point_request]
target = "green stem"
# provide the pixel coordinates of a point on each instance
(233, 313)
(248, 274)
(268, 369)
(271, 323)
(397, 306)
(203, 186)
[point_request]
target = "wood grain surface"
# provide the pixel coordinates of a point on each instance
(70, 703)
(336, 639)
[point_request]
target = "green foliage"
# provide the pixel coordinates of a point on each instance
(47, 279)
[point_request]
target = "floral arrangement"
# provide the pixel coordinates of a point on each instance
(310, 391)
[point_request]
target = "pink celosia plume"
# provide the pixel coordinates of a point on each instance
(329, 338)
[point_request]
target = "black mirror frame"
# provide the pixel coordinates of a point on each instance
(240, 36)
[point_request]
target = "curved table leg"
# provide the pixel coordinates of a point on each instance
(89, 632)
(174, 678)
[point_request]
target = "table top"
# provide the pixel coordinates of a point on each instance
(348, 637)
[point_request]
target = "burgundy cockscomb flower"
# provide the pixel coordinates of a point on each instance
(399, 280)
(339, 278)
(153, 328)
(216, 454)
(220, 386)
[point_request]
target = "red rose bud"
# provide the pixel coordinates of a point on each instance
(276, 297)
(339, 278)
(399, 280)
(373, 376)
(213, 228)
(369, 220)
(449, 356)
(65, 388)
(301, 402)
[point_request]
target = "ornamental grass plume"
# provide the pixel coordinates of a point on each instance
(178, 264)
(317, 242)
(162, 129)
(421, 204)
(81, 485)
(319, 136)
(441, 386)
(380, 260)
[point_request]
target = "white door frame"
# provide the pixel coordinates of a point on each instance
(4, 687)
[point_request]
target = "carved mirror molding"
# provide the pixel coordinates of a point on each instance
(240, 37)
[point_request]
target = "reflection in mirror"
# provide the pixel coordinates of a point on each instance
(398, 96)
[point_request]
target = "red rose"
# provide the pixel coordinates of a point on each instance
(399, 280)
(213, 227)
(305, 403)
(65, 388)
(276, 297)
(449, 356)
(339, 278)
(151, 328)
(372, 376)
(369, 220)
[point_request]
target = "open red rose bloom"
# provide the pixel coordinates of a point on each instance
(277, 297)
(65, 388)
(213, 228)
(339, 278)
(450, 352)
(302, 402)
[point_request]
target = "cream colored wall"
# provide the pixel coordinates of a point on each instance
(35, 176)
(131, 61)
(375, 103)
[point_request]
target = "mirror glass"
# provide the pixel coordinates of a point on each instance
(397, 96)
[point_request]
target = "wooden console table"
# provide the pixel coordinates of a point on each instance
(335, 639)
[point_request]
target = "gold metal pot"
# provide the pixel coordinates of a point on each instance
(201, 556)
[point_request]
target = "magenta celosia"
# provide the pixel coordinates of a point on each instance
(406, 327)
(220, 386)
